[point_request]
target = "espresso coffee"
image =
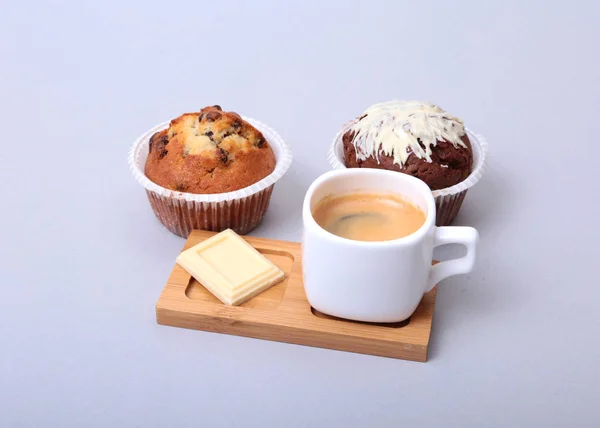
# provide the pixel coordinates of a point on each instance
(368, 216)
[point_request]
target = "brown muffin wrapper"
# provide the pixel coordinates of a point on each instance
(447, 208)
(181, 216)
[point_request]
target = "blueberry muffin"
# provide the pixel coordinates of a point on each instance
(411, 137)
(209, 152)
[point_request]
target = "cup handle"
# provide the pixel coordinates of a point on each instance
(468, 236)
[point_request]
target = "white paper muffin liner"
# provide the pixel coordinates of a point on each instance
(448, 200)
(241, 210)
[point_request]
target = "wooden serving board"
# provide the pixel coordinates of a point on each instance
(283, 314)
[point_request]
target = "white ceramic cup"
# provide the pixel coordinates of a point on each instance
(376, 281)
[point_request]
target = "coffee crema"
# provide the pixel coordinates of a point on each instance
(368, 216)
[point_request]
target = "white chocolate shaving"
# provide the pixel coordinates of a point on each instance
(395, 129)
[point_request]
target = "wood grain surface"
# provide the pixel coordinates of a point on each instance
(283, 314)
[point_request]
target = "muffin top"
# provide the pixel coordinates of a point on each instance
(209, 152)
(412, 137)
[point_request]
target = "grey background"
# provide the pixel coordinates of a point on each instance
(83, 259)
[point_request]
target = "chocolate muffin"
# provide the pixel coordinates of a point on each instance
(208, 152)
(415, 138)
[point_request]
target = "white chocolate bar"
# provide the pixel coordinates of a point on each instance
(230, 268)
